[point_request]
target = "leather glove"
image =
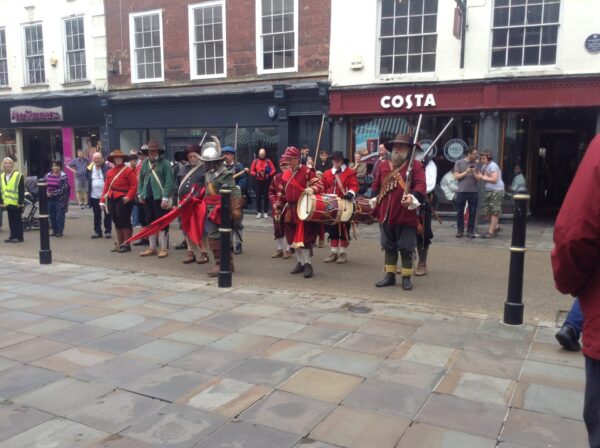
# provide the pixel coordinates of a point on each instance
(348, 196)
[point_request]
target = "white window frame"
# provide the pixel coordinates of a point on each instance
(524, 68)
(65, 49)
(132, 48)
(259, 42)
(192, 41)
(25, 60)
(3, 30)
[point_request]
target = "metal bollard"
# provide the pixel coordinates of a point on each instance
(225, 230)
(45, 252)
(513, 307)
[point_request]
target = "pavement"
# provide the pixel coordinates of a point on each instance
(104, 357)
(465, 275)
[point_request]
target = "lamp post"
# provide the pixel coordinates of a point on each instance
(225, 231)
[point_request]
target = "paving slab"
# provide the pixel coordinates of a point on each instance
(553, 375)
(272, 327)
(317, 334)
(33, 349)
(119, 342)
(266, 372)
(247, 344)
(549, 400)
(73, 394)
(432, 355)
(22, 379)
(198, 334)
(255, 309)
(16, 418)
(79, 334)
(118, 371)
(288, 412)
(167, 383)
(345, 361)
(500, 347)
(209, 360)
(324, 385)
(458, 414)
(422, 435)
(387, 398)
(119, 441)
(246, 435)
(175, 426)
(356, 428)
(408, 373)
(554, 353)
(13, 338)
(118, 321)
(487, 363)
(230, 321)
(56, 433)
(342, 321)
(190, 314)
(6, 364)
(116, 411)
(369, 343)
(162, 351)
(535, 430)
(310, 443)
(484, 388)
(73, 360)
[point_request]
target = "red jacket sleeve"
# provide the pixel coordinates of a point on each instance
(352, 181)
(253, 168)
(273, 191)
(576, 253)
(133, 184)
(273, 170)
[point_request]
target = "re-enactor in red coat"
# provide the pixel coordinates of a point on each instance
(576, 266)
(341, 181)
(120, 189)
(278, 229)
(396, 212)
(301, 235)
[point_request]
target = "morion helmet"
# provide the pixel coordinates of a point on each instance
(211, 150)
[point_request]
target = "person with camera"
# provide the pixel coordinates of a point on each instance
(12, 198)
(263, 170)
(467, 178)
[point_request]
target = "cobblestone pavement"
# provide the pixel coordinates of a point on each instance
(93, 357)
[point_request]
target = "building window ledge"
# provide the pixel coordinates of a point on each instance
(5, 88)
(79, 82)
(35, 86)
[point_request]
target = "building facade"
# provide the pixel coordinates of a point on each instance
(52, 79)
(181, 69)
(520, 78)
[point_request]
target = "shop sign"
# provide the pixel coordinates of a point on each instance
(592, 43)
(30, 114)
(425, 145)
(272, 112)
(455, 150)
(409, 101)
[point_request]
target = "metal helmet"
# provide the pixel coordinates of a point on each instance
(211, 150)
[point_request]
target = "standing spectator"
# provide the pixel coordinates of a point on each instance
(467, 178)
(135, 166)
(79, 168)
(12, 198)
(384, 154)
(155, 190)
(96, 177)
(361, 172)
(118, 195)
(58, 197)
(304, 154)
(518, 183)
(494, 193)
(576, 267)
(240, 174)
(324, 163)
(449, 186)
(263, 170)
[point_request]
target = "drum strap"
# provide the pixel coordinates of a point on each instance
(339, 182)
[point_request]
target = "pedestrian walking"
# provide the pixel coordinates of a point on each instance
(570, 331)
(78, 166)
(96, 178)
(576, 267)
(467, 178)
(263, 171)
(58, 197)
(12, 199)
(118, 195)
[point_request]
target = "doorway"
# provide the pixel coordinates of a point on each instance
(40, 147)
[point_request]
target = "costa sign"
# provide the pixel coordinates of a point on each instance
(408, 101)
(30, 114)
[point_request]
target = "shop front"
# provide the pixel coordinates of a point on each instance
(36, 131)
(541, 126)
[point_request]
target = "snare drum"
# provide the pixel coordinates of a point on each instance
(324, 208)
(363, 212)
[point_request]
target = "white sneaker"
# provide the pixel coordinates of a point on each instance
(259, 215)
(265, 216)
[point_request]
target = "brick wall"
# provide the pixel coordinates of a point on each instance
(314, 33)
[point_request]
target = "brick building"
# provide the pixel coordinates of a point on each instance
(178, 69)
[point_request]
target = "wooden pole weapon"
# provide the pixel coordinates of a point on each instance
(319, 139)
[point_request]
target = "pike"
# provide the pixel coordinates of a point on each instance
(409, 170)
(319, 139)
(437, 138)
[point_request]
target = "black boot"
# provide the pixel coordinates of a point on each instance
(388, 280)
(406, 284)
(299, 268)
(567, 337)
(308, 270)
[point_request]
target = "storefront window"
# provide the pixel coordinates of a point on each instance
(250, 140)
(8, 144)
(87, 139)
(516, 143)
(129, 139)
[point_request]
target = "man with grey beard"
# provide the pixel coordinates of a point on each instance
(396, 211)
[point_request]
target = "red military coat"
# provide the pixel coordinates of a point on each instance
(576, 255)
(293, 184)
(273, 187)
(347, 178)
(390, 210)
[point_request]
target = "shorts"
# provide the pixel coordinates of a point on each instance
(81, 185)
(492, 203)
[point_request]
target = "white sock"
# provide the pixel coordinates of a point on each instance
(164, 240)
(335, 250)
(306, 256)
(342, 250)
(153, 240)
(299, 256)
(279, 242)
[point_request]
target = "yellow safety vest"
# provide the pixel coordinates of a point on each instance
(10, 189)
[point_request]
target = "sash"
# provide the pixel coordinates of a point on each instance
(187, 176)
(113, 181)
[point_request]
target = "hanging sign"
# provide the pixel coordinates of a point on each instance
(455, 150)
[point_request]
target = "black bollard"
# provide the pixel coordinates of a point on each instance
(45, 252)
(225, 230)
(513, 307)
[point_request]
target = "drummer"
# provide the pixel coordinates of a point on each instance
(341, 181)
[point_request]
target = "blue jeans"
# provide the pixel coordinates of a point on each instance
(57, 215)
(461, 200)
(135, 215)
(575, 317)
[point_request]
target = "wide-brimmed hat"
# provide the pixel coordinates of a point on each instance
(291, 152)
(339, 155)
(191, 149)
(153, 145)
(118, 154)
(133, 155)
(400, 139)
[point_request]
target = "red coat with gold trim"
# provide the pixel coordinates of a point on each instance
(293, 184)
(347, 178)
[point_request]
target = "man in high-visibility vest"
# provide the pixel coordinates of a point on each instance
(12, 197)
